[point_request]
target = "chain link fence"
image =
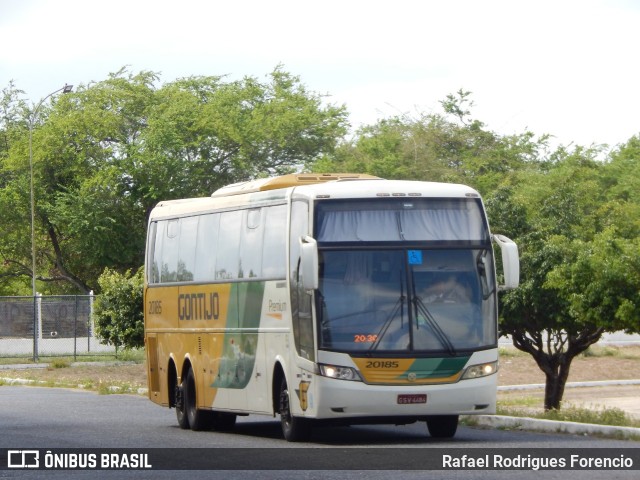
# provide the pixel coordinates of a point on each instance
(49, 326)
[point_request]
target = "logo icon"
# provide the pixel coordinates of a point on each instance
(302, 394)
(23, 459)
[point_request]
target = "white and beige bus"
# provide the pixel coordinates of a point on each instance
(339, 299)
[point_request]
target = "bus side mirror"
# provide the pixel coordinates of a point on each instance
(308, 263)
(510, 261)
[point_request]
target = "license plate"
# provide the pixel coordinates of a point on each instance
(411, 399)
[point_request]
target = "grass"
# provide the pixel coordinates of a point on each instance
(509, 352)
(526, 407)
(110, 388)
(102, 374)
(604, 416)
(60, 363)
(597, 351)
(101, 387)
(130, 355)
(520, 402)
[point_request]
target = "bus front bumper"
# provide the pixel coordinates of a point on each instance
(336, 399)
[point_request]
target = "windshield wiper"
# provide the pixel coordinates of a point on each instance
(399, 305)
(431, 321)
(433, 324)
(429, 318)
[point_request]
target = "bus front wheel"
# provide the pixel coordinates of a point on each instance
(295, 429)
(442, 426)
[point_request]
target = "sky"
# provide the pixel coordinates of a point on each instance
(566, 68)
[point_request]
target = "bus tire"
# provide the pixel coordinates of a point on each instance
(442, 426)
(198, 419)
(181, 414)
(294, 429)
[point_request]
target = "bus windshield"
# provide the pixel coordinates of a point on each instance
(406, 300)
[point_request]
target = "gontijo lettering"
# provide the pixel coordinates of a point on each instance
(198, 306)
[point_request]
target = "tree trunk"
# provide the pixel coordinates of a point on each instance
(555, 383)
(554, 353)
(64, 273)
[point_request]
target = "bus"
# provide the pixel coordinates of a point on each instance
(334, 299)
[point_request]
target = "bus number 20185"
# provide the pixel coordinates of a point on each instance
(155, 307)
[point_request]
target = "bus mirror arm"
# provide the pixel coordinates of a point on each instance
(510, 261)
(309, 263)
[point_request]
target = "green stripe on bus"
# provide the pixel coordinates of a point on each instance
(435, 367)
(239, 352)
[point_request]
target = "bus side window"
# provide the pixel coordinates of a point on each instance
(207, 247)
(228, 254)
(251, 242)
(274, 263)
(187, 252)
(300, 300)
(170, 247)
(153, 272)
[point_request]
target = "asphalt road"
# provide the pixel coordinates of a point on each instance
(57, 419)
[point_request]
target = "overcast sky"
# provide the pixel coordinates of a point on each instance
(564, 67)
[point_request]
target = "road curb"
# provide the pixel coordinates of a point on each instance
(600, 383)
(541, 425)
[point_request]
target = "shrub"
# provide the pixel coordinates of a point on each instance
(60, 363)
(118, 310)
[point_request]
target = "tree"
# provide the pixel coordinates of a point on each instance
(579, 276)
(106, 154)
(118, 312)
(602, 281)
(449, 147)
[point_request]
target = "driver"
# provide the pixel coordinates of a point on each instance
(448, 290)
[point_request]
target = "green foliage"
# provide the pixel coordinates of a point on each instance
(602, 352)
(604, 416)
(104, 155)
(60, 363)
(433, 147)
(601, 280)
(577, 238)
(118, 310)
(594, 415)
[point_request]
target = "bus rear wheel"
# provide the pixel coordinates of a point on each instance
(197, 419)
(181, 413)
(294, 429)
(442, 426)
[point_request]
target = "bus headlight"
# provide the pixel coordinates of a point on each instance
(482, 370)
(340, 373)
